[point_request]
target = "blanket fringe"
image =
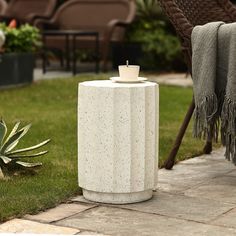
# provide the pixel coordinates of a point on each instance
(206, 118)
(228, 129)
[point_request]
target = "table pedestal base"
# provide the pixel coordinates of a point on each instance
(117, 198)
(118, 141)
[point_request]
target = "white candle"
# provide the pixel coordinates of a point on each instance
(129, 72)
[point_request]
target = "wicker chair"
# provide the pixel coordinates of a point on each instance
(26, 11)
(109, 18)
(184, 15)
(3, 6)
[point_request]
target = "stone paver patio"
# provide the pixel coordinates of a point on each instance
(198, 197)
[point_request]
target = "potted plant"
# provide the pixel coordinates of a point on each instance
(150, 41)
(12, 160)
(17, 47)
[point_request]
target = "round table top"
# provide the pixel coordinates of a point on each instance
(111, 84)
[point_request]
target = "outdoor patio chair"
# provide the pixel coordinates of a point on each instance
(107, 17)
(3, 6)
(26, 11)
(184, 15)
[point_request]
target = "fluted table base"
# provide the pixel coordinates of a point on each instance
(117, 198)
(118, 141)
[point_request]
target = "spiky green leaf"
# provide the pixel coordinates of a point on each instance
(29, 148)
(1, 173)
(25, 129)
(14, 130)
(3, 130)
(11, 141)
(5, 159)
(28, 165)
(29, 155)
(13, 144)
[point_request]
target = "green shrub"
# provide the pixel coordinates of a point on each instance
(26, 38)
(160, 45)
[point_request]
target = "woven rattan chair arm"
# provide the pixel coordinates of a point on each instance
(229, 7)
(177, 18)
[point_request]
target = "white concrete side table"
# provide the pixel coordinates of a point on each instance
(118, 140)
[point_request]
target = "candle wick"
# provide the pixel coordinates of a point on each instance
(127, 63)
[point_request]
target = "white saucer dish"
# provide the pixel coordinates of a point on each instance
(117, 79)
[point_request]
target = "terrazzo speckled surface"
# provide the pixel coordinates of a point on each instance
(121, 119)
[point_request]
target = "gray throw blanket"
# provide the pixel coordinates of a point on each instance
(214, 83)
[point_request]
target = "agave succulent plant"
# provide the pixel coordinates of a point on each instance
(10, 158)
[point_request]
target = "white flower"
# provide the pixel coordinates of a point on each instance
(2, 38)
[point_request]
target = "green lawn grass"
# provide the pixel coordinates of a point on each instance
(51, 106)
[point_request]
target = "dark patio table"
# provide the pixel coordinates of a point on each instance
(74, 34)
